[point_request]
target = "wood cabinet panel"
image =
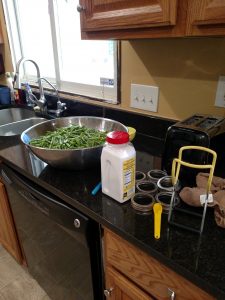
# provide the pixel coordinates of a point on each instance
(120, 19)
(122, 14)
(124, 19)
(1, 38)
(1, 15)
(8, 236)
(206, 17)
(145, 271)
(122, 288)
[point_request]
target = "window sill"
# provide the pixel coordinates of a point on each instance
(80, 98)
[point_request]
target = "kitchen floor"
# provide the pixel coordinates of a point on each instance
(15, 282)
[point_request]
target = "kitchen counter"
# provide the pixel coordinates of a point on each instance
(199, 260)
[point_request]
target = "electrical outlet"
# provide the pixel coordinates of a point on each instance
(220, 93)
(144, 97)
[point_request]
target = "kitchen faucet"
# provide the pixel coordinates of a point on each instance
(60, 106)
(42, 101)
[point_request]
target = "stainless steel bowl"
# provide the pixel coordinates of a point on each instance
(73, 159)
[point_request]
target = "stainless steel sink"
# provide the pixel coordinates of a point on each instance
(14, 114)
(16, 128)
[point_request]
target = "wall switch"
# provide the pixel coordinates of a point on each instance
(144, 97)
(220, 93)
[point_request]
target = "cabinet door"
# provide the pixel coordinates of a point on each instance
(8, 237)
(120, 288)
(125, 14)
(150, 275)
(206, 17)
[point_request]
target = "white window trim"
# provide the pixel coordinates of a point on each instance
(104, 93)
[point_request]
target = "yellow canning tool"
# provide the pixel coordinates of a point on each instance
(157, 209)
(177, 162)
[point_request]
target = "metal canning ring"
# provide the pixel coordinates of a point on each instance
(147, 186)
(165, 184)
(139, 176)
(164, 198)
(142, 202)
(155, 174)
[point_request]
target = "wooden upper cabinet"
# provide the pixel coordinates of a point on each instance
(126, 19)
(122, 14)
(206, 17)
(123, 19)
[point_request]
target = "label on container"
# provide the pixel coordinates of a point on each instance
(128, 178)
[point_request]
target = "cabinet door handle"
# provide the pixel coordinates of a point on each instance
(108, 292)
(171, 294)
(80, 8)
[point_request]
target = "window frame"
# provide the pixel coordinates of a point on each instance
(101, 93)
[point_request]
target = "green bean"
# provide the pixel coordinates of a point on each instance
(71, 137)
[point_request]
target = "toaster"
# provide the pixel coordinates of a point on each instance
(198, 130)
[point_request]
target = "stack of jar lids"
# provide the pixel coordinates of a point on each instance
(157, 187)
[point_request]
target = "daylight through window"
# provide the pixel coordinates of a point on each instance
(48, 31)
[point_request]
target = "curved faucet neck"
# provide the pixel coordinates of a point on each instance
(41, 102)
(17, 82)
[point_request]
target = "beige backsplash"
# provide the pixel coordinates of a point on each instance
(186, 71)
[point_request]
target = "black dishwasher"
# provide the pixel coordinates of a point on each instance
(61, 245)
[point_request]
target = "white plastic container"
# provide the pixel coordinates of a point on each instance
(118, 161)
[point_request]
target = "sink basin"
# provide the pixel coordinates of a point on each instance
(16, 128)
(14, 114)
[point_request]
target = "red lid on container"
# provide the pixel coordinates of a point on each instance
(117, 137)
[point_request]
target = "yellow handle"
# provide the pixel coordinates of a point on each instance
(177, 162)
(157, 208)
(132, 133)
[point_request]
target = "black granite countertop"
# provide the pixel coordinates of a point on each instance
(199, 260)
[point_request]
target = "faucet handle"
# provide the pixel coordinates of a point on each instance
(61, 107)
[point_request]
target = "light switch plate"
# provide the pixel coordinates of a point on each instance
(220, 93)
(144, 97)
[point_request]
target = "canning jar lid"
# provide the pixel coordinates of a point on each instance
(117, 137)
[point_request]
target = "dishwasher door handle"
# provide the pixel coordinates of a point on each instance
(12, 177)
(5, 177)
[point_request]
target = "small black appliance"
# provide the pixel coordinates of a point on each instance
(199, 130)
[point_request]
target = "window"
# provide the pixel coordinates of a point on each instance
(48, 31)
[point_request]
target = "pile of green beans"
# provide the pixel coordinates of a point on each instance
(71, 137)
